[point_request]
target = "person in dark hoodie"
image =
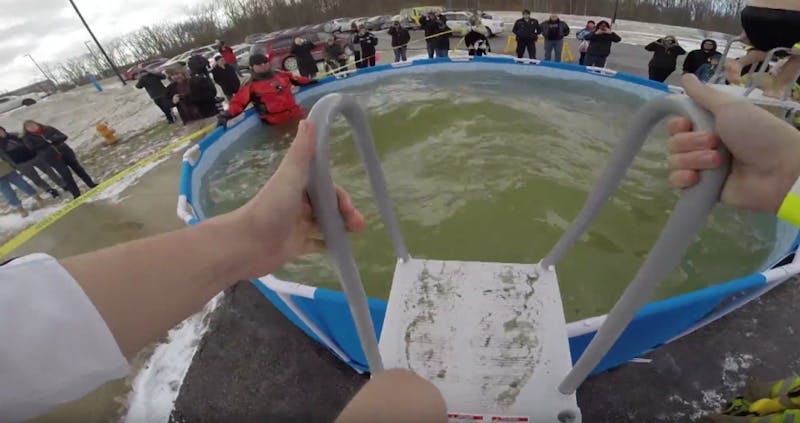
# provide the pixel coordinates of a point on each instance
(526, 30)
(25, 161)
(226, 77)
(270, 92)
(665, 57)
(700, 57)
(335, 56)
(198, 64)
(151, 82)
(554, 30)
(202, 92)
(600, 44)
(400, 40)
(367, 41)
(306, 64)
(50, 143)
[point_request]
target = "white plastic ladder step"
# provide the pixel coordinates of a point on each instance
(491, 336)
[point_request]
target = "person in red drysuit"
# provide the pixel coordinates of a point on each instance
(270, 92)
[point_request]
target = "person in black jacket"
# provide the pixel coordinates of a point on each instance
(437, 34)
(226, 77)
(665, 57)
(600, 44)
(198, 64)
(151, 82)
(306, 64)
(50, 143)
(400, 40)
(526, 30)
(25, 161)
(335, 56)
(697, 58)
(367, 41)
(203, 94)
(554, 30)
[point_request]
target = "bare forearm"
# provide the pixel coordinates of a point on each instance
(144, 288)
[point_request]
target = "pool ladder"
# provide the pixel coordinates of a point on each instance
(559, 378)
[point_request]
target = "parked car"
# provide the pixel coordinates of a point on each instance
(338, 25)
(11, 102)
(208, 51)
(279, 48)
(459, 23)
(242, 52)
(154, 65)
(250, 39)
(357, 21)
(377, 23)
(404, 22)
(414, 13)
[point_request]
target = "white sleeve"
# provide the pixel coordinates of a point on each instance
(54, 345)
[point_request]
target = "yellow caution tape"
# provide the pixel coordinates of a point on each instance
(32, 231)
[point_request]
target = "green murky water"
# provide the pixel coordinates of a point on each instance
(493, 168)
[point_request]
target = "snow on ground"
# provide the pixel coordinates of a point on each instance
(76, 112)
(156, 386)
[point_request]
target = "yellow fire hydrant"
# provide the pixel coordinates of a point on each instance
(106, 133)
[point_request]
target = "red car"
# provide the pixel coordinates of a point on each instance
(153, 64)
(279, 47)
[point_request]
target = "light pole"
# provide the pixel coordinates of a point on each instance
(616, 9)
(99, 46)
(38, 67)
(86, 43)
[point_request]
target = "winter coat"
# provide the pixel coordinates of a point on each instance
(600, 44)
(554, 30)
(664, 57)
(433, 27)
(400, 36)
(227, 79)
(203, 94)
(271, 93)
(474, 39)
(13, 149)
(581, 35)
(227, 54)
(354, 46)
(186, 109)
(700, 57)
(333, 51)
(47, 138)
(306, 63)
(527, 31)
(367, 41)
(151, 82)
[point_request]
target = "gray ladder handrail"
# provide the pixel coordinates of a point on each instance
(719, 73)
(758, 77)
(323, 198)
(685, 221)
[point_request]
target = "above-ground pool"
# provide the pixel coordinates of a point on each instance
(489, 160)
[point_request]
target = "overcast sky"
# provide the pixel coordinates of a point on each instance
(50, 30)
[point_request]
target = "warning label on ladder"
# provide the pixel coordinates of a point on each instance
(462, 417)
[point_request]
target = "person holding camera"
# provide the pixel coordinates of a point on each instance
(600, 44)
(437, 34)
(400, 40)
(665, 57)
